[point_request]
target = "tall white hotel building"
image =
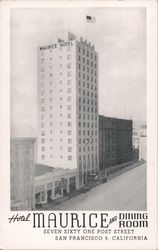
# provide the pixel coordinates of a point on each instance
(68, 106)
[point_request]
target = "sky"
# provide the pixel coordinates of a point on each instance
(119, 37)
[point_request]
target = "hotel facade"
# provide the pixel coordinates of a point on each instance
(68, 107)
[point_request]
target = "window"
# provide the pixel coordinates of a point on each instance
(69, 48)
(43, 157)
(69, 73)
(69, 90)
(42, 93)
(42, 108)
(69, 65)
(42, 125)
(69, 124)
(42, 60)
(68, 57)
(69, 157)
(42, 69)
(69, 141)
(69, 116)
(43, 140)
(43, 149)
(69, 107)
(69, 132)
(43, 132)
(42, 85)
(69, 98)
(42, 117)
(69, 82)
(69, 149)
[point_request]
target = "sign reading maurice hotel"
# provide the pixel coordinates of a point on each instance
(55, 45)
(79, 166)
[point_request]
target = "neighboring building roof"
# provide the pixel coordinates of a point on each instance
(41, 169)
(114, 118)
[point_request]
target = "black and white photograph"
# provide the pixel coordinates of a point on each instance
(78, 116)
(78, 109)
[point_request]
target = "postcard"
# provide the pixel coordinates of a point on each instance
(78, 113)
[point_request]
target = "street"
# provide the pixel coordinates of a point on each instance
(124, 192)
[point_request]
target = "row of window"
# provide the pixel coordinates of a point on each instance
(44, 76)
(69, 90)
(85, 76)
(87, 62)
(87, 109)
(87, 116)
(84, 124)
(88, 69)
(87, 93)
(44, 68)
(44, 52)
(61, 156)
(87, 53)
(115, 124)
(87, 140)
(83, 100)
(84, 149)
(91, 157)
(69, 107)
(69, 149)
(87, 85)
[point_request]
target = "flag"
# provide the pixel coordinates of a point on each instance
(90, 19)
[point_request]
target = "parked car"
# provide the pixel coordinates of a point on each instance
(104, 180)
(86, 189)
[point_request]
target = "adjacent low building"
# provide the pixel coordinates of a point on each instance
(115, 141)
(22, 165)
(53, 183)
